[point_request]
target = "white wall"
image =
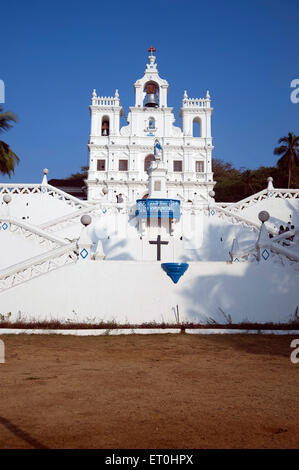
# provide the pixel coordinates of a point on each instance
(137, 292)
(35, 208)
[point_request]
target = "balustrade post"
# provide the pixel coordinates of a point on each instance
(85, 242)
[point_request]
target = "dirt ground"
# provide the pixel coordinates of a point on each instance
(154, 391)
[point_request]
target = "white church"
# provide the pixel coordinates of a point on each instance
(150, 240)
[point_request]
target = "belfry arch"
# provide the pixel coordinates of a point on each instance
(105, 127)
(197, 127)
(151, 90)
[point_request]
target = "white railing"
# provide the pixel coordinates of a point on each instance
(65, 197)
(196, 103)
(105, 101)
(264, 194)
(69, 219)
(20, 188)
(233, 217)
(31, 232)
(280, 244)
(38, 265)
(74, 217)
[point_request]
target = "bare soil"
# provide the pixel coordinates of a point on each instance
(154, 391)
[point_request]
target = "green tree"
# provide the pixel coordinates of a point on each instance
(8, 159)
(289, 152)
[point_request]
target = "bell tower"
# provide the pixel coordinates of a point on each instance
(151, 90)
(119, 157)
(105, 115)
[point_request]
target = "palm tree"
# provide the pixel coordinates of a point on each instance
(8, 159)
(290, 153)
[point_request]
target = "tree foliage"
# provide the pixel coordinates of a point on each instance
(8, 159)
(289, 151)
(232, 185)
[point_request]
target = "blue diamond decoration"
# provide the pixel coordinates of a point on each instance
(270, 194)
(236, 259)
(212, 212)
(84, 253)
(44, 190)
(4, 226)
(104, 210)
(265, 254)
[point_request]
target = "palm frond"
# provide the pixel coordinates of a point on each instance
(280, 150)
(5, 119)
(283, 139)
(8, 159)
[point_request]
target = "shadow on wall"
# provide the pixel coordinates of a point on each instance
(217, 240)
(118, 248)
(112, 250)
(291, 216)
(243, 292)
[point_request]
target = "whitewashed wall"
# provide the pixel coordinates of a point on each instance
(138, 292)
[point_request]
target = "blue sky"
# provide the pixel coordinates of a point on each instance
(54, 53)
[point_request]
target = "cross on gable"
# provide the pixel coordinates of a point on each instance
(151, 50)
(158, 242)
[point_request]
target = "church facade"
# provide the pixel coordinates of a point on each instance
(120, 156)
(150, 240)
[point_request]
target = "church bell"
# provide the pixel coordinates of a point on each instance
(105, 128)
(151, 91)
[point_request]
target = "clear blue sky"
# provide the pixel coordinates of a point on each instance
(54, 53)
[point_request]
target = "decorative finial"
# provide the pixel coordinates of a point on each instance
(45, 179)
(85, 220)
(116, 94)
(185, 95)
(208, 95)
(270, 183)
(7, 198)
(264, 216)
(94, 93)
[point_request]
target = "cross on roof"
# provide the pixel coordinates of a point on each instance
(151, 50)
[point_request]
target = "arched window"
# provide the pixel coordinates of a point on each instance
(196, 127)
(147, 161)
(105, 126)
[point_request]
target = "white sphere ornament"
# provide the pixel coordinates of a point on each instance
(264, 216)
(7, 198)
(105, 190)
(269, 179)
(85, 220)
(212, 193)
(46, 171)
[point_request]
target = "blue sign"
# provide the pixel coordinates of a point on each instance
(158, 209)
